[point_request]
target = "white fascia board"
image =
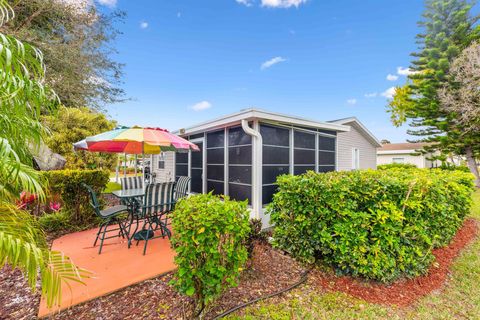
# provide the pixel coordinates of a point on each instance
(250, 114)
(368, 133)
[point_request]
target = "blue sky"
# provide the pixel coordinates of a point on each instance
(189, 61)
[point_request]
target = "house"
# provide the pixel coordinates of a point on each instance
(406, 153)
(243, 153)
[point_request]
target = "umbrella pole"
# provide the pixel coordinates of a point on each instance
(143, 168)
(136, 157)
(125, 166)
(117, 169)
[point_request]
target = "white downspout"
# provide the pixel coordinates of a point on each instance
(257, 168)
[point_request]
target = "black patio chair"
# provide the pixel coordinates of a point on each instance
(181, 187)
(157, 203)
(109, 217)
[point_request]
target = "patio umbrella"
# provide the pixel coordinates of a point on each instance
(135, 140)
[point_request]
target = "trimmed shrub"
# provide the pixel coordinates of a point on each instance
(54, 222)
(68, 185)
(209, 233)
(378, 224)
(396, 166)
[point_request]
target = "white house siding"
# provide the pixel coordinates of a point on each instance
(420, 160)
(347, 141)
(166, 174)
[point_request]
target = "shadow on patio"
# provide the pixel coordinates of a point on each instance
(117, 267)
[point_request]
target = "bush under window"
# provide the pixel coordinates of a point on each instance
(378, 224)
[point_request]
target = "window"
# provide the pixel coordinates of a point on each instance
(303, 152)
(240, 164)
(326, 153)
(355, 159)
(398, 160)
(161, 164)
(181, 164)
(216, 162)
(276, 157)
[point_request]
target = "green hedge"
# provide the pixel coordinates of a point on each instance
(209, 234)
(375, 224)
(75, 198)
(396, 166)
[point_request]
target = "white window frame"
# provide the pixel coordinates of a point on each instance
(396, 160)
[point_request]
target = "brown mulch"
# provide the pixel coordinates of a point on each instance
(406, 291)
(270, 271)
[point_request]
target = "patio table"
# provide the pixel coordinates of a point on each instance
(131, 197)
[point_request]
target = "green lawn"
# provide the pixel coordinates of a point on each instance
(112, 186)
(460, 299)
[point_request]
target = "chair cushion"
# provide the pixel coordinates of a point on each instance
(113, 210)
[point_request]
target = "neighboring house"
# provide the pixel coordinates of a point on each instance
(243, 153)
(406, 153)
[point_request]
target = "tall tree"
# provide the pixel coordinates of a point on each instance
(24, 96)
(77, 43)
(461, 97)
(448, 28)
(70, 125)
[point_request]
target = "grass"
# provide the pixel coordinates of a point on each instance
(112, 186)
(459, 299)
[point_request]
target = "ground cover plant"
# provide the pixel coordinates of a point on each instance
(379, 225)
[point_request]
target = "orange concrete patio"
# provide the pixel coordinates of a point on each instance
(117, 267)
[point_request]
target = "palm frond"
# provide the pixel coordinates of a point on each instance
(23, 246)
(16, 176)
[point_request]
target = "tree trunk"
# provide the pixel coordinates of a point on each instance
(472, 165)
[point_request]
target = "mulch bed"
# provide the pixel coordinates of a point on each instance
(270, 271)
(403, 292)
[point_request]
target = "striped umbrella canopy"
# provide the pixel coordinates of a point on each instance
(136, 140)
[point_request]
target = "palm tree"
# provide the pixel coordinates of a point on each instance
(23, 97)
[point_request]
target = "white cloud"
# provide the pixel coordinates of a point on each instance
(389, 93)
(144, 25)
(282, 3)
(108, 3)
(267, 64)
(405, 71)
(352, 101)
(247, 3)
(371, 95)
(202, 105)
(392, 77)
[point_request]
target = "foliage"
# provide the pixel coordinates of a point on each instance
(24, 97)
(461, 97)
(448, 28)
(458, 299)
(112, 186)
(68, 185)
(451, 167)
(76, 40)
(396, 165)
(71, 125)
(209, 233)
(57, 221)
(23, 245)
(378, 224)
